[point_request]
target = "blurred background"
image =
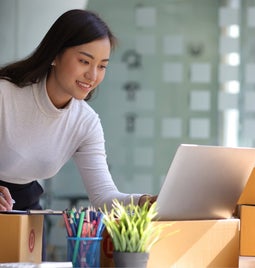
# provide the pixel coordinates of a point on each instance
(183, 72)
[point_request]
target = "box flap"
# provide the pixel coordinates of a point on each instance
(248, 195)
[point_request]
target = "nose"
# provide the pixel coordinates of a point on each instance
(91, 74)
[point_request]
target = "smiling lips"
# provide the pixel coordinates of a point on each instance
(84, 86)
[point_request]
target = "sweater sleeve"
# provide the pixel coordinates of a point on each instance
(90, 159)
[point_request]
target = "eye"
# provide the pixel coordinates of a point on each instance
(84, 61)
(102, 67)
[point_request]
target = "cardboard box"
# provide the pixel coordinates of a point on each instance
(248, 194)
(247, 231)
(246, 213)
(21, 238)
(106, 259)
(197, 244)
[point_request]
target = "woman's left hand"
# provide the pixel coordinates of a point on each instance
(145, 197)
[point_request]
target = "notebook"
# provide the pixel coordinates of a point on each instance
(204, 182)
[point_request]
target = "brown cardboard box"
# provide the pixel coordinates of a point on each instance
(246, 212)
(106, 259)
(197, 244)
(248, 194)
(247, 232)
(20, 238)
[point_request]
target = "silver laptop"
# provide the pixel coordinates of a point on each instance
(204, 182)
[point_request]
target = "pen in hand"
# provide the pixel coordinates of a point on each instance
(13, 201)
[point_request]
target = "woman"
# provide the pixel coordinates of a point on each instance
(45, 120)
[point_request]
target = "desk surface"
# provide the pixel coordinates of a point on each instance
(37, 265)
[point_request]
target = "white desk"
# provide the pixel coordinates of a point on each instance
(246, 262)
(39, 265)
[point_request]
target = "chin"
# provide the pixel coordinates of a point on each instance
(81, 97)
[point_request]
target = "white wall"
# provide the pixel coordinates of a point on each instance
(23, 23)
(8, 32)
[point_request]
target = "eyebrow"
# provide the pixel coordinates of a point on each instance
(90, 56)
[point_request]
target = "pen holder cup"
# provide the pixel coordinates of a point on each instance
(84, 251)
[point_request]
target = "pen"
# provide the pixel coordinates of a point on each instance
(13, 201)
(72, 225)
(77, 244)
(100, 225)
(67, 224)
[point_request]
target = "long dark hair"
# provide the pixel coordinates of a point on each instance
(73, 28)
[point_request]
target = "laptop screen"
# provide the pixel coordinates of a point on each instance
(204, 182)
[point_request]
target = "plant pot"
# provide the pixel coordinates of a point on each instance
(131, 259)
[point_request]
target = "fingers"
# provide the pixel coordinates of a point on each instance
(144, 198)
(6, 202)
(153, 199)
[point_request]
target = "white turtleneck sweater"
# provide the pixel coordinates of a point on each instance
(37, 139)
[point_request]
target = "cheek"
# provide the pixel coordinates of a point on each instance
(69, 68)
(69, 73)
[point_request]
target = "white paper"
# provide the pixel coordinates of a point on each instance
(251, 16)
(199, 128)
(173, 44)
(200, 73)
(250, 73)
(36, 265)
(228, 45)
(200, 100)
(171, 127)
(143, 156)
(227, 101)
(173, 72)
(146, 44)
(249, 101)
(145, 127)
(228, 16)
(228, 73)
(145, 16)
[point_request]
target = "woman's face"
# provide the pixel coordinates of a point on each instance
(77, 71)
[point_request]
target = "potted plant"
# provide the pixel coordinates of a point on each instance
(132, 231)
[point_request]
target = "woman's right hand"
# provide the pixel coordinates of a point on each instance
(6, 201)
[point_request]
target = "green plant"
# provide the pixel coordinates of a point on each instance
(131, 227)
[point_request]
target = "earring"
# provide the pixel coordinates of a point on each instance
(53, 63)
